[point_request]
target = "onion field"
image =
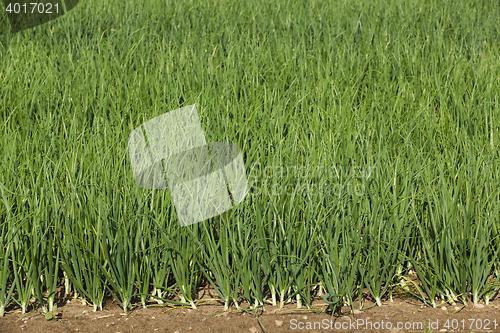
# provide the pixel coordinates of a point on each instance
(370, 136)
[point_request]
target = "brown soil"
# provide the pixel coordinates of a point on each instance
(211, 317)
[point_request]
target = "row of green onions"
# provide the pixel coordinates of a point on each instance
(339, 249)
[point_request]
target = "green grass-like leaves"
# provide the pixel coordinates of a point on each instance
(369, 132)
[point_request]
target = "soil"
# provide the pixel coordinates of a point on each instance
(410, 314)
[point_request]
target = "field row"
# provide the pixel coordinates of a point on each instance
(369, 132)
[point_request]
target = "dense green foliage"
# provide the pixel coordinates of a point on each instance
(404, 91)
